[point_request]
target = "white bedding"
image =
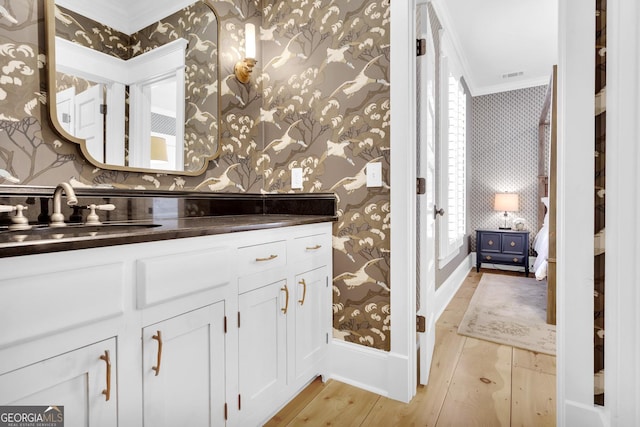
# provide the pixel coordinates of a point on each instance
(541, 245)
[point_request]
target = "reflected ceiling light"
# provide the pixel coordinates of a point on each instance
(244, 68)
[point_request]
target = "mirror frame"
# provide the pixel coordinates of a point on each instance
(50, 34)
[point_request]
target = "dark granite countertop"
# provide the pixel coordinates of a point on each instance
(154, 216)
(44, 240)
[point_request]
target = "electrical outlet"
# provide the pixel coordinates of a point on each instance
(374, 174)
(296, 178)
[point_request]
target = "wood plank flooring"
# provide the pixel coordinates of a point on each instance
(472, 383)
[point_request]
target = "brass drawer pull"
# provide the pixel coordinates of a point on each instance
(488, 257)
(158, 337)
(313, 248)
(513, 244)
(107, 359)
(286, 304)
(515, 260)
(304, 291)
(490, 242)
(266, 259)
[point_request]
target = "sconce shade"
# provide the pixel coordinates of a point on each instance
(250, 40)
(506, 202)
(159, 149)
(243, 68)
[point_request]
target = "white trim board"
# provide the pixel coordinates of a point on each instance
(447, 290)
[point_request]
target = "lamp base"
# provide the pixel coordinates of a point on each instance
(504, 228)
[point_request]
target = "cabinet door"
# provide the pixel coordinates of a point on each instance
(183, 369)
(78, 380)
(311, 323)
(262, 349)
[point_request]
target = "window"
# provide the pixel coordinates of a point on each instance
(452, 165)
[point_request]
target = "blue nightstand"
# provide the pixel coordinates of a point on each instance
(506, 247)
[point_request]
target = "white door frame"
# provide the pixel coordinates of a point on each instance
(402, 362)
(427, 169)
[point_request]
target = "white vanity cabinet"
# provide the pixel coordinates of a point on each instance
(203, 331)
(284, 320)
(82, 381)
(183, 369)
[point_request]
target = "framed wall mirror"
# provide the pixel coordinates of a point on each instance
(136, 84)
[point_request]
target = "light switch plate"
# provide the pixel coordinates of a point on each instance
(296, 178)
(374, 174)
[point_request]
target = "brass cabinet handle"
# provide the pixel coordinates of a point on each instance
(490, 242)
(515, 260)
(513, 244)
(269, 258)
(488, 256)
(158, 337)
(313, 248)
(286, 304)
(304, 291)
(107, 359)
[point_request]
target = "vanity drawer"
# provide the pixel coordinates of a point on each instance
(265, 256)
(58, 299)
(310, 246)
(164, 278)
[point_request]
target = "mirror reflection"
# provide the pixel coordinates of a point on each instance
(136, 99)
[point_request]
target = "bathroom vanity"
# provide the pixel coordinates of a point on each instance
(212, 317)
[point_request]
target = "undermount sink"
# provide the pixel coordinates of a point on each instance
(78, 230)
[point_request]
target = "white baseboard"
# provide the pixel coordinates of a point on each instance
(448, 289)
(579, 414)
(359, 366)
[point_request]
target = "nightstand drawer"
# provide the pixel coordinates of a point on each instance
(513, 244)
(490, 242)
(501, 258)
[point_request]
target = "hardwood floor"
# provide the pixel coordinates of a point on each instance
(472, 383)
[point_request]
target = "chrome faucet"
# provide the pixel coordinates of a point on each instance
(57, 218)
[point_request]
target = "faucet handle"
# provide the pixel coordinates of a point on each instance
(18, 221)
(92, 218)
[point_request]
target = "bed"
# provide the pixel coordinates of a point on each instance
(541, 245)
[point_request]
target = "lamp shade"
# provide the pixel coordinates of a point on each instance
(159, 149)
(506, 202)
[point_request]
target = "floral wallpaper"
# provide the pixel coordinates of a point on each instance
(318, 100)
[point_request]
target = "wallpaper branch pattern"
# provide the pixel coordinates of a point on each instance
(318, 100)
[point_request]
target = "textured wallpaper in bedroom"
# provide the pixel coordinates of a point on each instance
(504, 155)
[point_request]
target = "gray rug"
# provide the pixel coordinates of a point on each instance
(510, 310)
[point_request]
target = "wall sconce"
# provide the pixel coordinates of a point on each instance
(507, 202)
(159, 149)
(244, 68)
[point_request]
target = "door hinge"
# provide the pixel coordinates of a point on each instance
(239, 402)
(225, 324)
(421, 186)
(238, 320)
(421, 324)
(327, 338)
(421, 47)
(226, 412)
(103, 108)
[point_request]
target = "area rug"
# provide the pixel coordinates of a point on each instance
(510, 310)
